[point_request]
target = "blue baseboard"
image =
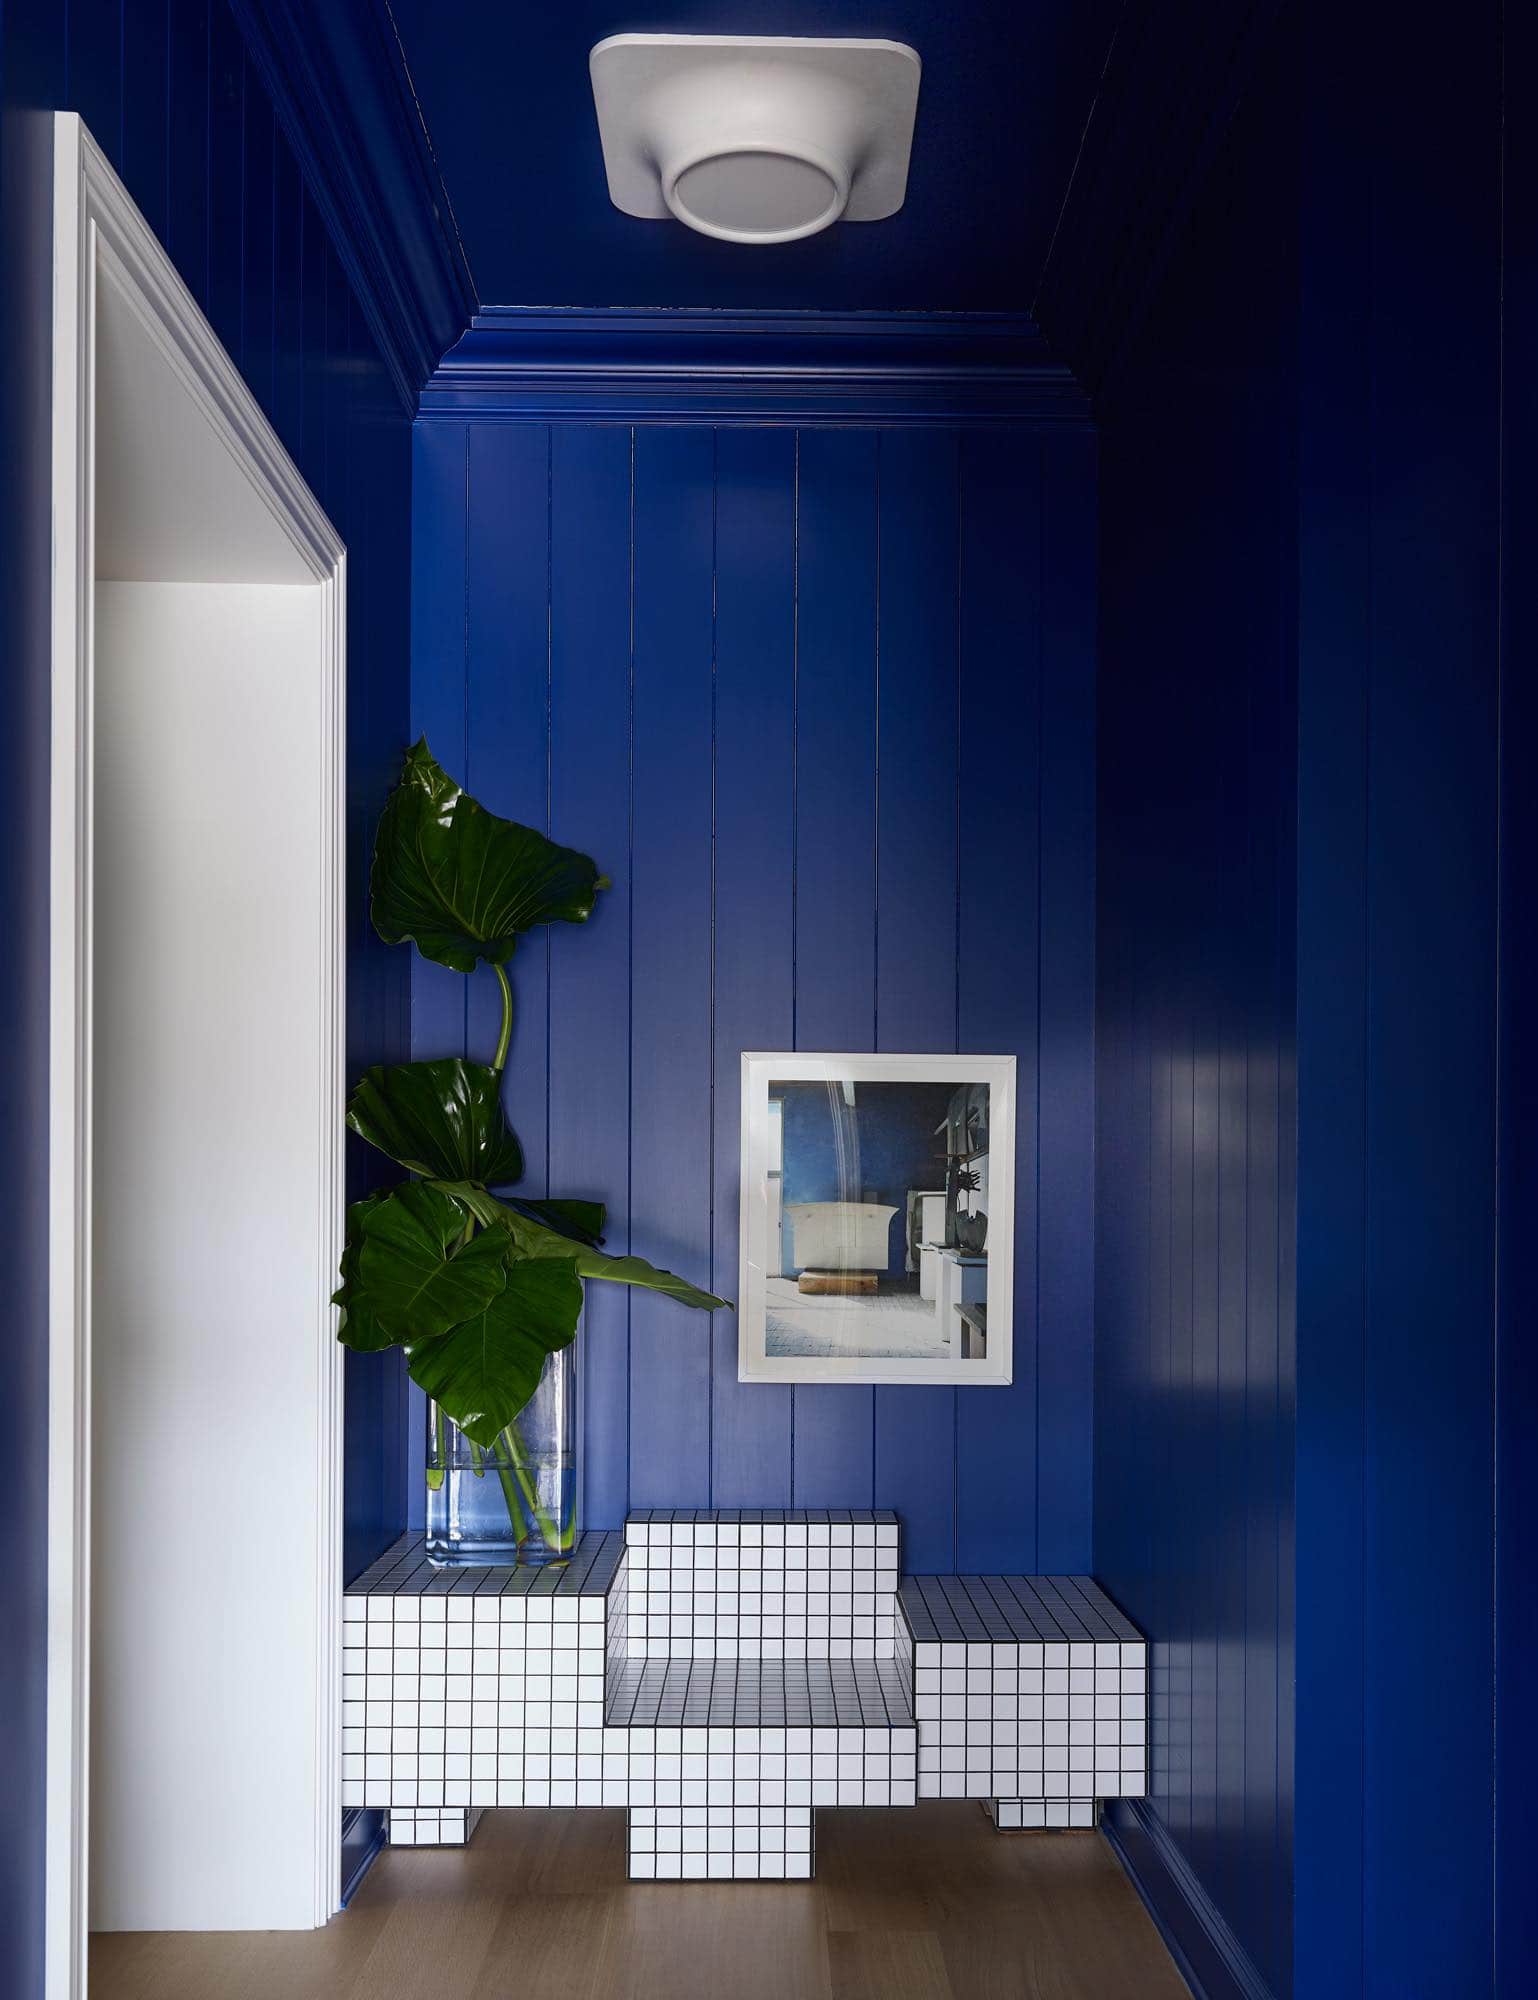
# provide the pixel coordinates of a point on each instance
(363, 1834)
(1210, 1958)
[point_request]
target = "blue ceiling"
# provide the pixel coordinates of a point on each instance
(1007, 87)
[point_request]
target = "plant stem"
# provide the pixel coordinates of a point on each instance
(551, 1533)
(440, 1440)
(477, 1462)
(499, 1060)
(509, 1490)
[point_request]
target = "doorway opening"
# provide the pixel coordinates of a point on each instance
(196, 1082)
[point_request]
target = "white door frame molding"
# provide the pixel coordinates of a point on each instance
(96, 225)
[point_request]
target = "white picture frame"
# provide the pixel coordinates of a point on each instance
(817, 1299)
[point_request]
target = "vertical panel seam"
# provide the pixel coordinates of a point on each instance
(170, 103)
(240, 325)
(549, 755)
(956, 927)
(715, 605)
(1043, 552)
(875, 1023)
(876, 793)
(1499, 1067)
(795, 809)
(1370, 608)
(630, 965)
(464, 682)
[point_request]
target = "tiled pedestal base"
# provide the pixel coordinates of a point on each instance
(445, 1826)
(720, 1843)
(1016, 1815)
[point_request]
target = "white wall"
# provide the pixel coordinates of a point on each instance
(207, 1248)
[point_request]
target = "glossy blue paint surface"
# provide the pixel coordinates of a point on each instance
(1005, 95)
(1195, 1374)
(170, 93)
(1302, 554)
(1516, 1527)
(800, 694)
(1397, 1016)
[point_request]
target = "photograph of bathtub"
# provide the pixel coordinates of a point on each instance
(839, 1154)
(840, 1236)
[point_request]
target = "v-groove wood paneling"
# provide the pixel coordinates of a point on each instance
(821, 703)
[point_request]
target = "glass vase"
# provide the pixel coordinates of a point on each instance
(515, 1503)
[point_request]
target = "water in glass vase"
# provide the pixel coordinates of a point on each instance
(516, 1503)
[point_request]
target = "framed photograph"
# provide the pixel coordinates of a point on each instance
(878, 1204)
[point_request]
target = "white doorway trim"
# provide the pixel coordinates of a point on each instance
(96, 229)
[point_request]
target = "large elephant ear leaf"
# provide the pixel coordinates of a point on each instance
(417, 1278)
(357, 1325)
(581, 1220)
(463, 882)
(442, 1119)
(534, 1240)
(483, 1371)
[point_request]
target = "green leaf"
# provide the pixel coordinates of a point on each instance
(414, 1280)
(485, 1207)
(582, 1220)
(357, 1326)
(442, 1119)
(463, 882)
(534, 1240)
(484, 1370)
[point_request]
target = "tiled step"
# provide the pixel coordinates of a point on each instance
(798, 1694)
(476, 1687)
(1025, 1688)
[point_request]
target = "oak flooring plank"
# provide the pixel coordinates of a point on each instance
(717, 1941)
(224, 1965)
(888, 1965)
(550, 1944)
(927, 1904)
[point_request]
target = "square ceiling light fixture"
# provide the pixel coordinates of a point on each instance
(755, 138)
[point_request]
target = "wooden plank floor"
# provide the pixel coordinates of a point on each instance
(930, 1904)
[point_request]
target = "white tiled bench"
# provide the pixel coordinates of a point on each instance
(721, 1676)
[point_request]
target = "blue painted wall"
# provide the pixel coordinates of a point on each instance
(884, 1148)
(821, 702)
(1516, 1527)
(1301, 870)
(1194, 1202)
(1399, 570)
(170, 94)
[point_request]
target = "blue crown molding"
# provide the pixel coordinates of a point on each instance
(621, 365)
(1172, 82)
(1210, 1958)
(341, 91)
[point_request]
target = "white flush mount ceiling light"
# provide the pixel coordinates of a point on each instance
(755, 138)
